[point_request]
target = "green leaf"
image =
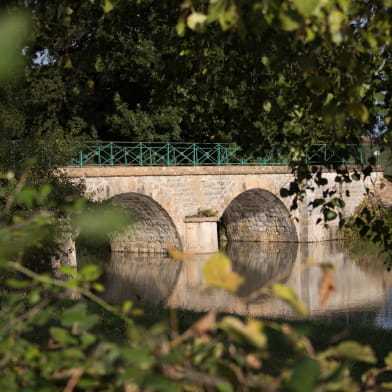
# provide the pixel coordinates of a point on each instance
(224, 387)
(26, 196)
(138, 356)
(158, 382)
(77, 314)
(107, 6)
(351, 350)
(289, 20)
(44, 192)
(18, 284)
(90, 272)
(181, 28)
(98, 287)
(284, 192)
(61, 335)
(306, 7)
(330, 215)
(267, 106)
(287, 294)
(304, 376)
(68, 270)
(88, 339)
(13, 31)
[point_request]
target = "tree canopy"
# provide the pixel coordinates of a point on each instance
(258, 73)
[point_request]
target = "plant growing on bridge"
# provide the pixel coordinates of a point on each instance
(204, 212)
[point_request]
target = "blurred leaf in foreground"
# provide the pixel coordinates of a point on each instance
(351, 350)
(249, 333)
(288, 295)
(218, 272)
(99, 221)
(178, 255)
(14, 29)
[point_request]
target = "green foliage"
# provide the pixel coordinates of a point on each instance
(13, 32)
(266, 74)
(373, 223)
(52, 337)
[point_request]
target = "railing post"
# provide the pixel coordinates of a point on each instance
(81, 158)
(141, 155)
(111, 154)
(219, 154)
(195, 160)
(168, 163)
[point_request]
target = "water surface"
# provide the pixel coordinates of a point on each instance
(330, 282)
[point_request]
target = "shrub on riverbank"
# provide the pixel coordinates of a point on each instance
(368, 233)
(59, 335)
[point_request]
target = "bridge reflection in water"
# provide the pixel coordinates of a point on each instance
(158, 280)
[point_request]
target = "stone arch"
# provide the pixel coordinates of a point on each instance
(257, 215)
(152, 231)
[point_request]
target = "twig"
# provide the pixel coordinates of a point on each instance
(71, 384)
(31, 312)
(79, 290)
(18, 188)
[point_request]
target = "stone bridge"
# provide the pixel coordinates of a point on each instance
(245, 200)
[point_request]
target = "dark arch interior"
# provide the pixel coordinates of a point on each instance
(152, 230)
(257, 215)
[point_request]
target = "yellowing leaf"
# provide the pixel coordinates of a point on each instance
(68, 63)
(310, 261)
(250, 333)
(288, 295)
(177, 255)
(196, 21)
(358, 111)
(351, 350)
(267, 106)
(217, 272)
(388, 360)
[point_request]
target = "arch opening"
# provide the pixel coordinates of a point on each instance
(152, 230)
(257, 215)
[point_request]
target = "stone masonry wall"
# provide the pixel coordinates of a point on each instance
(182, 191)
(258, 216)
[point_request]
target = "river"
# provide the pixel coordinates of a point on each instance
(325, 278)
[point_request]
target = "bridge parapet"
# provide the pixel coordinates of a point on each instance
(247, 199)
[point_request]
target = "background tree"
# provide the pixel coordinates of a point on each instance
(273, 72)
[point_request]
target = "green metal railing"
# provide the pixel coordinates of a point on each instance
(173, 154)
(217, 154)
